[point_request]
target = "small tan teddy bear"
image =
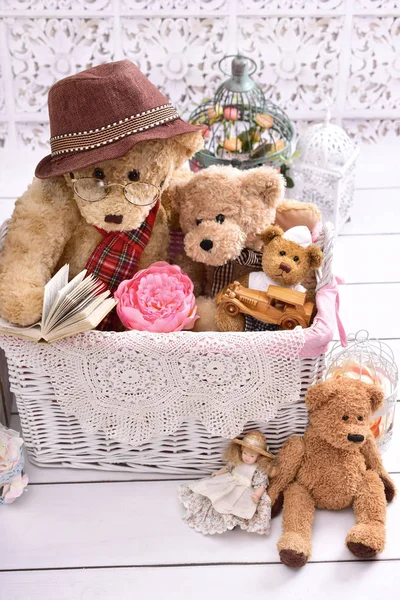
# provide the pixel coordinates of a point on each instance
(334, 465)
(287, 260)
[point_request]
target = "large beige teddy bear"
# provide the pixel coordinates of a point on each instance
(222, 212)
(95, 201)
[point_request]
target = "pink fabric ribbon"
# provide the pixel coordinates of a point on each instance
(319, 336)
(316, 232)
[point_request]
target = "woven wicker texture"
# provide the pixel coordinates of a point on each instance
(135, 385)
(164, 403)
(53, 439)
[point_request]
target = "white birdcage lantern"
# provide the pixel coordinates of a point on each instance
(371, 361)
(324, 170)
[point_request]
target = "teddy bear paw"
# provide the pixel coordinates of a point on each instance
(293, 559)
(277, 506)
(366, 540)
(294, 550)
(390, 489)
(21, 309)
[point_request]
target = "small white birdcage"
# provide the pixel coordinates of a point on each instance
(371, 361)
(324, 170)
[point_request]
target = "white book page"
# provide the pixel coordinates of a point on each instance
(55, 284)
(33, 332)
(61, 294)
(81, 295)
(80, 313)
(90, 323)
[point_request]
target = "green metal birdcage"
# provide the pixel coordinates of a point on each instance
(241, 127)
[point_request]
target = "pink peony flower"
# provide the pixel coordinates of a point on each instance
(231, 114)
(158, 299)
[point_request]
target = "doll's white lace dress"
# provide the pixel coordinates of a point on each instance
(220, 503)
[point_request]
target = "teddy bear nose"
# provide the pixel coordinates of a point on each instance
(285, 267)
(206, 245)
(354, 437)
(114, 219)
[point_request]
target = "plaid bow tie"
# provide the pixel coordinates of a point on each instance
(223, 275)
(117, 257)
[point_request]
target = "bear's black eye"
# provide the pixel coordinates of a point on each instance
(282, 253)
(134, 175)
(198, 221)
(162, 183)
(98, 173)
(360, 418)
(220, 218)
(345, 418)
(296, 258)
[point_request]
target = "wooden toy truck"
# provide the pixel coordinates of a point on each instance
(281, 306)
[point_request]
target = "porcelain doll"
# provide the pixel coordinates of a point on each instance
(234, 496)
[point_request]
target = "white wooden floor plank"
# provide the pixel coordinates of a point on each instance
(367, 259)
(369, 580)
(371, 306)
(374, 211)
(391, 456)
(129, 524)
(375, 167)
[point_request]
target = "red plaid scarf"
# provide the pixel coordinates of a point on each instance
(117, 257)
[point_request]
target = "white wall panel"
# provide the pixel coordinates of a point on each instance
(305, 49)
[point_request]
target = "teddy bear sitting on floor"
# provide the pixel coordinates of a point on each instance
(335, 464)
(287, 260)
(95, 202)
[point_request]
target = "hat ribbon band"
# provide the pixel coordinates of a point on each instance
(87, 140)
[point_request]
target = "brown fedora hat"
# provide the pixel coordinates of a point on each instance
(101, 113)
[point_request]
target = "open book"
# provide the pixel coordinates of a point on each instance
(68, 308)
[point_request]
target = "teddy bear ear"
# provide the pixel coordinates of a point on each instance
(171, 198)
(187, 144)
(270, 233)
(266, 183)
(174, 194)
(318, 394)
(315, 257)
(376, 396)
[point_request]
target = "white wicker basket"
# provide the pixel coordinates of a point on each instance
(54, 439)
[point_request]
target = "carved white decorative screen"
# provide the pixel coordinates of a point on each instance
(304, 48)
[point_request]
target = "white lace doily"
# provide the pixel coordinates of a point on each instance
(133, 386)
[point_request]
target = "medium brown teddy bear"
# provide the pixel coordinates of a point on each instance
(335, 464)
(287, 260)
(222, 212)
(95, 203)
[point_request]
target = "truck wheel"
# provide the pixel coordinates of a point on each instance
(289, 322)
(231, 309)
